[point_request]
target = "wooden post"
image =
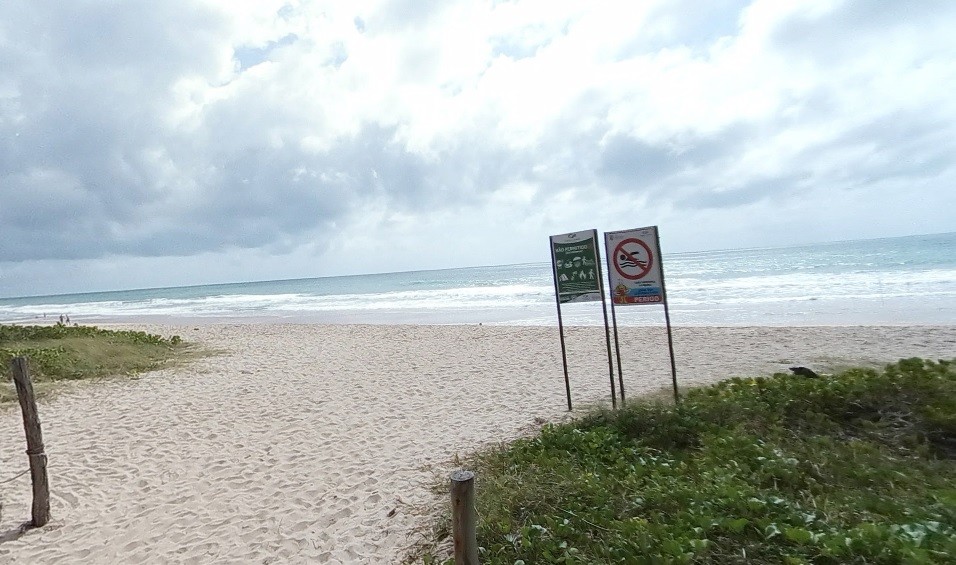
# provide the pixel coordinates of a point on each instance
(31, 425)
(463, 522)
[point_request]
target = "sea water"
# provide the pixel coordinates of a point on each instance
(905, 280)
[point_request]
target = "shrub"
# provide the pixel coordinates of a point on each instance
(853, 468)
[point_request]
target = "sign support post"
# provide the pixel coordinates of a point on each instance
(667, 320)
(564, 351)
(636, 277)
(617, 348)
(607, 332)
(576, 265)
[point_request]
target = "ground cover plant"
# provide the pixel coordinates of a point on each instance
(61, 352)
(851, 468)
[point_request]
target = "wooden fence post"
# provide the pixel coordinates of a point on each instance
(463, 521)
(31, 425)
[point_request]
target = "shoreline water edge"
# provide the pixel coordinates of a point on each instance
(896, 281)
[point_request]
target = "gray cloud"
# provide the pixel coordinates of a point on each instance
(92, 165)
(90, 81)
(630, 162)
(851, 28)
(749, 191)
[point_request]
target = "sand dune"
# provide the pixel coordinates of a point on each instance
(318, 444)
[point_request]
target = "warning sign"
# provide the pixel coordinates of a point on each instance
(574, 258)
(633, 259)
(634, 266)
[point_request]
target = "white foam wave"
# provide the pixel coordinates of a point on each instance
(939, 283)
(465, 298)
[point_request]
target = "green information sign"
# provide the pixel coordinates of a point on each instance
(574, 259)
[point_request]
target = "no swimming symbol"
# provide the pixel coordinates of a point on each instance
(633, 259)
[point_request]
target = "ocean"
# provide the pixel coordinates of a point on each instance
(903, 280)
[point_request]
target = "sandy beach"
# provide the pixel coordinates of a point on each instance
(320, 443)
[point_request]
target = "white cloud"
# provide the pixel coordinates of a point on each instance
(301, 134)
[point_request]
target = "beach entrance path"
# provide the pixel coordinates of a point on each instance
(319, 444)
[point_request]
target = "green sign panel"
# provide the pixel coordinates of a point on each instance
(574, 260)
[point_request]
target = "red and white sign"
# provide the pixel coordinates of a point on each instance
(634, 266)
(633, 259)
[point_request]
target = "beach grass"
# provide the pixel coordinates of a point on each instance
(858, 467)
(61, 352)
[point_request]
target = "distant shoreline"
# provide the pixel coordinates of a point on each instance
(896, 282)
(944, 319)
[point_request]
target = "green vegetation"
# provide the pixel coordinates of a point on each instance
(61, 352)
(854, 468)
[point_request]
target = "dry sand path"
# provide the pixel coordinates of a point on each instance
(316, 444)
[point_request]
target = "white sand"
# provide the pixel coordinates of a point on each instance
(316, 444)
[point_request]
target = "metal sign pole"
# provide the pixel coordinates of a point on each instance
(670, 346)
(564, 358)
(607, 330)
(617, 343)
(617, 349)
(667, 319)
(564, 354)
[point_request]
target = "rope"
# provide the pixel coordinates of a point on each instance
(15, 477)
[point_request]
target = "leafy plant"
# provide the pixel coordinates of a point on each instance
(60, 352)
(853, 468)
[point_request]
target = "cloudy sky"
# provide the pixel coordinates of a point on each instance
(150, 143)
